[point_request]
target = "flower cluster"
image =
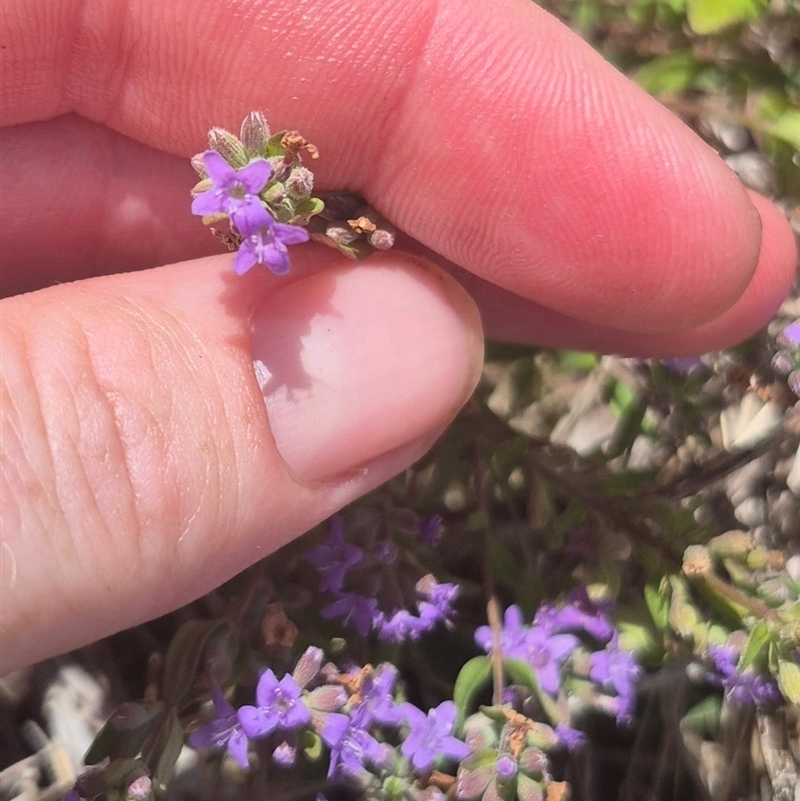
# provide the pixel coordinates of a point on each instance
(258, 183)
(351, 713)
(571, 642)
(745, 688)
(408, 609)
(787, 359)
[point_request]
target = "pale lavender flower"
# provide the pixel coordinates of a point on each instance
(334, 557)
(377, 696)
(616, 670)
(232, 192)
(356, 610)
(571, 738)
(265, 241)
(512, 635)
(224, 730)
(579, 614)
(399, 626)
(279, 706)
(352, 747)
(285, 754)
(546, 653)
(746, 688)
(431, 736)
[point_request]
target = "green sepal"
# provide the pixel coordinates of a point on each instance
(528, 789)
(754, 652)
(311, 743)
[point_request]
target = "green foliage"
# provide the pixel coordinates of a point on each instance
(712, 16)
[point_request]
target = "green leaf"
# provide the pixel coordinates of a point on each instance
(711, 16)
(163, 750)
(789, 680)
(657, 602)
(755, 650)
(787, 127)
(472, 678)
(125, 732)
(520, 672)
(703, 718)
(183, 658)
(672, 73)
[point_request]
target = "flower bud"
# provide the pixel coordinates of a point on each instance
(199, 167)
(300, 183)
(308, 666)
(280, 169)
(382, 238)
(228, 146)
(254, 134)
(341, 233)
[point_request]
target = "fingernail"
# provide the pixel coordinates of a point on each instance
(356, 361)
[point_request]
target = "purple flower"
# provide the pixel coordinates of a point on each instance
(352, 747)
(223, 730)
(357, 610)
(377, 696)
(512, 635)
(285, 754)
(747, 688)
(334, 557)
(616, 670)
(400, 625)
(280, 706)
(579, 614)
(545, 653)
(430, 736)
(265, 241)
(571, 738)
(683, 365)
(233, 192)
(430, 530)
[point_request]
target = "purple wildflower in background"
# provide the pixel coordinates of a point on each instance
(512, 635)
(580, 613)
(618, 671)
(430, 530)
(265, 241)
(224, 730)
(356, 610)
(569, 737)
(746, 688)
(377, 696)
(232, 192)
(279, 706)
(334, 557)
(399, 626)
(546, 653)
(352, 747)
(431, 736)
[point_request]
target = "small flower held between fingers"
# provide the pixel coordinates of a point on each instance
(264, 241)
(232, 192)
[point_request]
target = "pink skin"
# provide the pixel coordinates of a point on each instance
(141, 465)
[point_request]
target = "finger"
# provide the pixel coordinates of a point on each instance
(128, 209)
(146, 460)
(505, 144)
(508, 317)
(112, 205)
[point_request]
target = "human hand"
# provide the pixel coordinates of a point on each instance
(140, 468)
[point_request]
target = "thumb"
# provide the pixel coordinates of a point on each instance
(163, 430)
